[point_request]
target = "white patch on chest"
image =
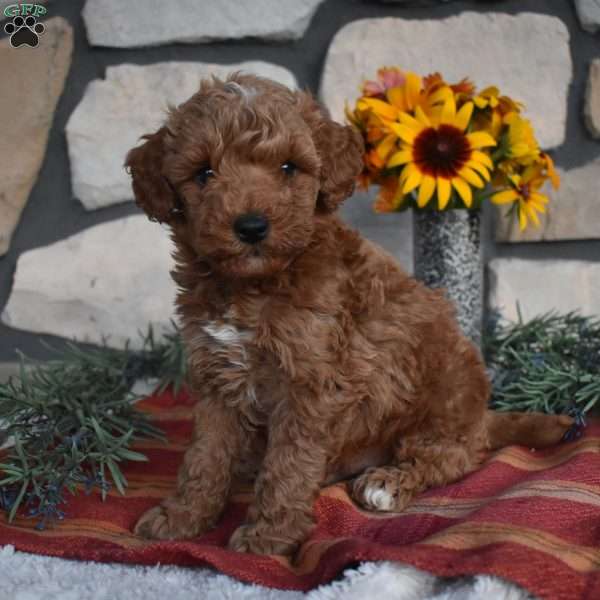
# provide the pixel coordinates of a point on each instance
(232, 341)
(227, 335)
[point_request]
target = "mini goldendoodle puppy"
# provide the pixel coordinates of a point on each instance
(313, 356)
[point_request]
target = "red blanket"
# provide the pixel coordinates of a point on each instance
(530, 517)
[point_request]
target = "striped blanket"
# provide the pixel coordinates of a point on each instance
(530, 517)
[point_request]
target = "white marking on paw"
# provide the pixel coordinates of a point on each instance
(378, 498)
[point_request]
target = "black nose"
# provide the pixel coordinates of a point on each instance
(251, 228)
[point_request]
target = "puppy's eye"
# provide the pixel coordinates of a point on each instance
(203, 175)
(289, 168)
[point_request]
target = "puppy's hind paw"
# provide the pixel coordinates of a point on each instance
(386, 489)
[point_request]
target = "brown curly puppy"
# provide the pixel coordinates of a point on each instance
(313, 355)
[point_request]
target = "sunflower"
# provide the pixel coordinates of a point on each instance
(376, 114)
(405, 98)
(437, 153)
(522, 146)
(490, 97)
(492, 108)
(524, 192)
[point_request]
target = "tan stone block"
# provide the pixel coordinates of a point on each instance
(490, 48)
(32, 82)
(568, 285)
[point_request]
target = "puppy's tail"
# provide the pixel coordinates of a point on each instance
(535, 430)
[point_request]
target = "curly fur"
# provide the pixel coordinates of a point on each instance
(313, 355)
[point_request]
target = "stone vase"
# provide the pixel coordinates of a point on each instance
(447, 254)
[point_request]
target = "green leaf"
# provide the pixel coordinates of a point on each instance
(118, 477)
(131, 455)
(17, 502)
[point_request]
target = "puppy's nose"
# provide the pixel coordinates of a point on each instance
(251, 228)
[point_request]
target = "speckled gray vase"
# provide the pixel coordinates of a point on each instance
(447, 254)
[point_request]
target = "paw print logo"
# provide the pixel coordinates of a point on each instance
(24, 32)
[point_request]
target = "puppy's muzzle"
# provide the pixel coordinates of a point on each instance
(251, 228)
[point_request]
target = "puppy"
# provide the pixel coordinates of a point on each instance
(313, 356)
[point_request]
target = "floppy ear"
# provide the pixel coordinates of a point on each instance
(153, 192)
(340, 149)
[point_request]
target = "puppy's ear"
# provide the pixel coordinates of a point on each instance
(340, 148)
(153, 192)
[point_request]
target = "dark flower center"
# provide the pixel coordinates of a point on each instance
(441, 152)
(525, 191)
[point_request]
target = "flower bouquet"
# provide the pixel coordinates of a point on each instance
(435, 146)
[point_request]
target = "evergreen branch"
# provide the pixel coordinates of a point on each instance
(73, 420)
(549, 364)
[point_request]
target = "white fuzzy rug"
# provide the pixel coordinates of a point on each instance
(31, 577)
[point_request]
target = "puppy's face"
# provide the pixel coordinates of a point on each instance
(247, 175)
(239, 170)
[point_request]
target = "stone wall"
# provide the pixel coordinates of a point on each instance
(78, 260)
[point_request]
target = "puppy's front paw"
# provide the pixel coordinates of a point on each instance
(154, 525)
(258, 539)
(171, 523)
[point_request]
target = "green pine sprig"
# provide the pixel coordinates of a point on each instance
(73, 421)
(549, 364)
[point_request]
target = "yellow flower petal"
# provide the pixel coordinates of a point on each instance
(538, 207)
(483, 158)
(403, 132)
(476, 166)
(406, 173)
(480, 139)
(426, 190)
(399, 158)
(441, 95)
(532, 214)
(541, 198)
(448, 112)
(464, 190)
(520, 149)
(505, 197)
(398, 198)
(463, 116)
(443, 189)
(422, 117)
(398, 201)
(551, 170)
(386, 146)
(413, 90)
(379, 107)
(471, 177)
(411, 122)
(522, 217)
(395, 97)
(413, 180)
(515, 179)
